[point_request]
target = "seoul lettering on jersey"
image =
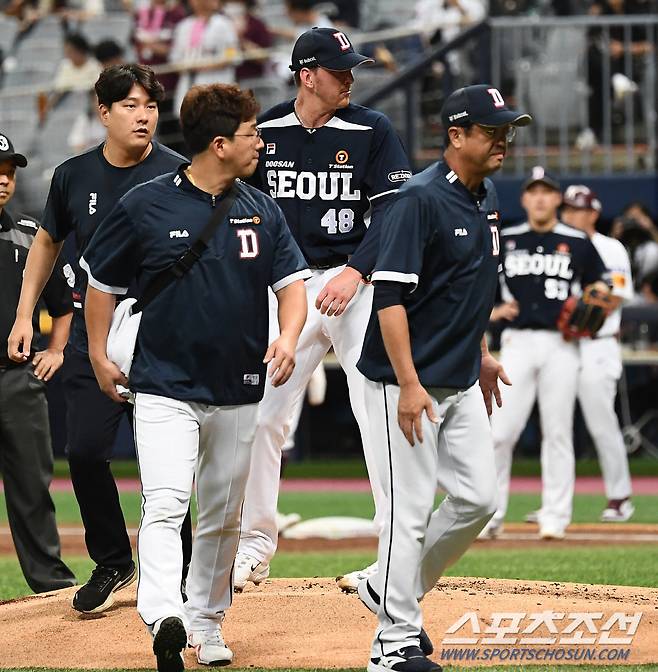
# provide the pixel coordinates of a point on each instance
(327, 180)
(540, 269)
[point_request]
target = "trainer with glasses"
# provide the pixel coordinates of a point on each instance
(202, 355)
(428, 368)
(25, 447)
(83, 190)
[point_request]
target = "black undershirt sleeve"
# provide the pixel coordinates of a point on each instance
(388, 293)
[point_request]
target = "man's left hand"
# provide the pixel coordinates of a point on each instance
(491, 370)
(338, 292)
(46, 362)
(281, 358)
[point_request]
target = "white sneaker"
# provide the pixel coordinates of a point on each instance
(551, 532)
(286, 520)
(531, 517)
(618, 511)
(210, 647)
(491, 530)
(350, 582)
(248, 568)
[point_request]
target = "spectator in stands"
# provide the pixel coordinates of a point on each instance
(152, 37)
(27, 12)
(153, 34)
(87, 130)
(25, 446)
(204, 47)
(347, 13)
(636, 230)
(77, 71)
(441, 20)
(253, 34)
(622, 82)
(650, 288)
(303, 16)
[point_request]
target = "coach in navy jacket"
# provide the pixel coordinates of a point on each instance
(201, 357)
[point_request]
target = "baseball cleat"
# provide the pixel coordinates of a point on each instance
(98, 593)
(618, 511)
(551, 532)
(531, 517)
(408, 659)
(350, 582)
(210, 647)
(371, 601)
(491, 530)
(286, 520)
(248, 568)
(168, 644)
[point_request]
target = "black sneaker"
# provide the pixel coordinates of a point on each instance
(168, 645)
(371, 600)
(98, 593)
(408, 659)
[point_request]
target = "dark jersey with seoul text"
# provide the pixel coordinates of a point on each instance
(82, 192)
(16, 235)
(326, 179)
(442, 241)
(541, 269)
(203, 338)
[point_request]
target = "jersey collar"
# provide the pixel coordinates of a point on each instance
(449, 175)
(6, 220)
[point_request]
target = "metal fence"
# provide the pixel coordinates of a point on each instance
(590, 84)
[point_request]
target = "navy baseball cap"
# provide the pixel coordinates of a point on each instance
(539, 176)
(325, 47)
(481, 104)
(581, 197)
(7, 152)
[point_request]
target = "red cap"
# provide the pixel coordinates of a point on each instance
(581, 197)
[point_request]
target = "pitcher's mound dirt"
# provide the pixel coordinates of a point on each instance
(309, 623)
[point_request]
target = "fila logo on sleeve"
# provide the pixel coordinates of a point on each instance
(93, 201)
(248, 243)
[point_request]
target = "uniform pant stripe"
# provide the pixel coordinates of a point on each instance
(392, 503)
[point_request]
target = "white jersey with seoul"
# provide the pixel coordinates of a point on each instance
(541, 270)
(326, 180)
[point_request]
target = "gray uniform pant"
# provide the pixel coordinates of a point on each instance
(26, 462)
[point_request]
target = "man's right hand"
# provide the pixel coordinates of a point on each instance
(20, 340)
(109, 376)
(414, 399)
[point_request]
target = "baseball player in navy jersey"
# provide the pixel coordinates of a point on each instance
(424, 353)
(327, 163)
(600, 356)
(82, 192)
(543, 263)
(197, 384)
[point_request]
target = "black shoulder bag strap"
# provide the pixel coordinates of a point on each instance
(180, 267)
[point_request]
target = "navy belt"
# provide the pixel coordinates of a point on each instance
(328, 262)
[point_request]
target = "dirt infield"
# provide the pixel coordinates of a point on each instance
(516, 535)
(309, 623)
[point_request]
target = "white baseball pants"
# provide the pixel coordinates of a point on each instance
(275, 412)
(417, 543)
(542, 366)
(176, 440)
(601, 368)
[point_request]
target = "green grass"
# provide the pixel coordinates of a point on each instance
(317, 504)
(627, 566)
(355, 468)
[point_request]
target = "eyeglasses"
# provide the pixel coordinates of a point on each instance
(492, 131)
(257, 134)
